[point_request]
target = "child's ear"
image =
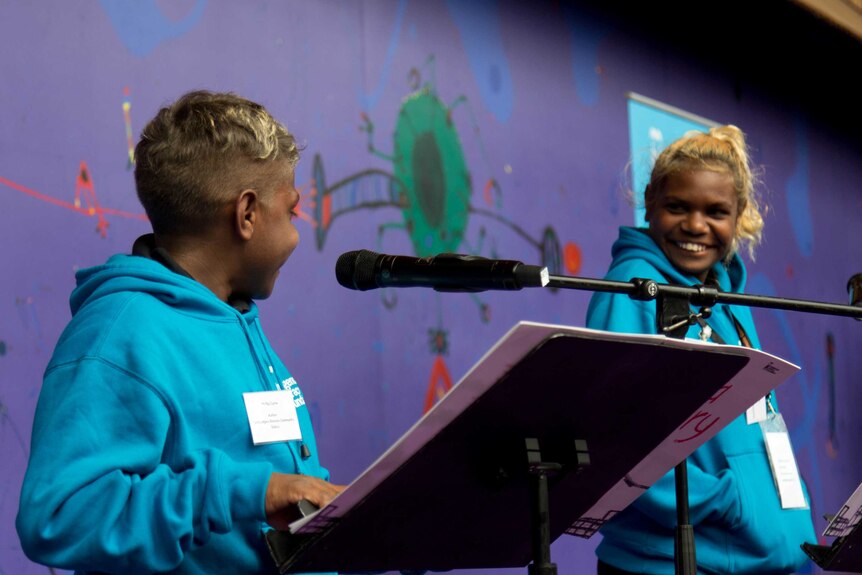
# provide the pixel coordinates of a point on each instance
(245, 214)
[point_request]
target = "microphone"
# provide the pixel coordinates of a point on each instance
(365, 270)
(854, 290)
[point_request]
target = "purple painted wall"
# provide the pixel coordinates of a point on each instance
(536, 95)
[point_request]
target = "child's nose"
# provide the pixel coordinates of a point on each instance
(695, 223)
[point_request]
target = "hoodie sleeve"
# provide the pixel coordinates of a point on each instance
(96, 495)
(620, 313)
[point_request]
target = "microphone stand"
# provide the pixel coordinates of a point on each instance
(700, 295)
(674, 316)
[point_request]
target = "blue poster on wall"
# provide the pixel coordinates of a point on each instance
(652, 126)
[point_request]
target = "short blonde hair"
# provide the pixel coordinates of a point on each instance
(194, 153)
(722, 149)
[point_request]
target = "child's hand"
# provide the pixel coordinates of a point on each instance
(284, 491)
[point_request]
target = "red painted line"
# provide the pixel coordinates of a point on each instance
(70, 206)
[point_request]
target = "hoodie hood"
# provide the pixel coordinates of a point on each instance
(636, 244)
(136, 274)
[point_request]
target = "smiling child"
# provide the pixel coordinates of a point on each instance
(701, 207)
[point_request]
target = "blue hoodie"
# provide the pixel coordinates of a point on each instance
(738, 521)
(142, 459)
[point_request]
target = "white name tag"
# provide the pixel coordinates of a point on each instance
(783, 463)
(757, 412)
(272, 416)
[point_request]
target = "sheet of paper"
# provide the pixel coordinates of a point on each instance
(847, 517)
(763, 373)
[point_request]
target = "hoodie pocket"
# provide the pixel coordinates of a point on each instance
(766, 538)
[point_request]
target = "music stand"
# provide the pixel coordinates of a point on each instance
(845, 553)
(543, 395)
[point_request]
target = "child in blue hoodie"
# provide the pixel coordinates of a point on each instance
(168, 434)
(701, 207)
